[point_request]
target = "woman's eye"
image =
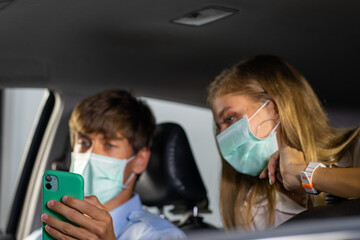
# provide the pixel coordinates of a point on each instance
(229, 120)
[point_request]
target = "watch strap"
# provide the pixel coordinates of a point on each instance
(307, 175)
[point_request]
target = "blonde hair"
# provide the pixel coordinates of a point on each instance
(304, 126)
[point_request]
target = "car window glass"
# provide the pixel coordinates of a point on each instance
(20, 107)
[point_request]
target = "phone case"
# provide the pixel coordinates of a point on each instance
(61, 183)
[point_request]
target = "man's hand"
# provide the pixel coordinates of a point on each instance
(286, 164)
(93, 220)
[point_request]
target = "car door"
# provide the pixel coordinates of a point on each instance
(32, 163)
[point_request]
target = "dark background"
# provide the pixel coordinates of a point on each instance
(72, 45)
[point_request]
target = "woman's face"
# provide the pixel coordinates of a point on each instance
(228, 109)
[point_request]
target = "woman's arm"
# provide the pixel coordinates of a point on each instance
(287, 164)
(342, 182)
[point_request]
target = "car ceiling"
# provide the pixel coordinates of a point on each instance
(84, 46)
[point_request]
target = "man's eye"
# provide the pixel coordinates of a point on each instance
(84, 143)
(109, 145)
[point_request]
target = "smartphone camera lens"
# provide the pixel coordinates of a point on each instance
(48, 178)
(48, 186)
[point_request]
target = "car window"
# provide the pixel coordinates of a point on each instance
(20, 109)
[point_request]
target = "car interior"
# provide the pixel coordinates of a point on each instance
(172, 178)
(165, 51)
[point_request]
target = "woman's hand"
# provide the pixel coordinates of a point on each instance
(286, 165)
(93, 220)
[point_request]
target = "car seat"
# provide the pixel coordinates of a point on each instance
(172, 178)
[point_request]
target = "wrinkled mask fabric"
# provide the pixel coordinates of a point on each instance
(245, 152)
(103, 176)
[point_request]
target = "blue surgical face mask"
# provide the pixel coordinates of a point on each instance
(245, 152)
(103, 176)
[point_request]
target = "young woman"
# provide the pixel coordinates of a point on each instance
(277, 145)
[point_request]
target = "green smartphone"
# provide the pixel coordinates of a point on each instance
(56, 184)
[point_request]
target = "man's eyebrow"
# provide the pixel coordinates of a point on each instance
(104, 138)
(113, 138)
(82, 134)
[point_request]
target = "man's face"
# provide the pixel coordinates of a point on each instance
(116, 147)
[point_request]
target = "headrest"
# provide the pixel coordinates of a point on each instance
(172, 177)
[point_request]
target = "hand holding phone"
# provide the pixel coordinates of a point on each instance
(56, 184)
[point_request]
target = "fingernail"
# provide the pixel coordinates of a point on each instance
(44, 217)
(47, 227)
(50, 203)
(64, 199)
(270, 181)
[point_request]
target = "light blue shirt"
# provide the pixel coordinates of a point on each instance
(131, 221)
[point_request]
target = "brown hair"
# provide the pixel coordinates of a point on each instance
(266, 77)
(113, 111)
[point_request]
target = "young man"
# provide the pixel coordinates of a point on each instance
(111, 134)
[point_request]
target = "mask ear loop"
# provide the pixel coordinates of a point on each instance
(272, 131)
(262, 106)
(276, 126)
(259, 126)
(126, 184)
(130, 159)
(259, 109)
(132, 175)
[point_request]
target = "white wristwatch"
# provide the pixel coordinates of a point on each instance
(306, 177)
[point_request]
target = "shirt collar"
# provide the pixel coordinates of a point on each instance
(120, 214)
(284, 204)
(287, 205)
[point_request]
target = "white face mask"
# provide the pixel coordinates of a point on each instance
(103, 175)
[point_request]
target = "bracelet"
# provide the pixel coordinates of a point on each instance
(307, 175)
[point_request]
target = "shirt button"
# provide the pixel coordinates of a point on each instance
(135, 216)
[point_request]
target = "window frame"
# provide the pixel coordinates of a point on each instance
(32, 166)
